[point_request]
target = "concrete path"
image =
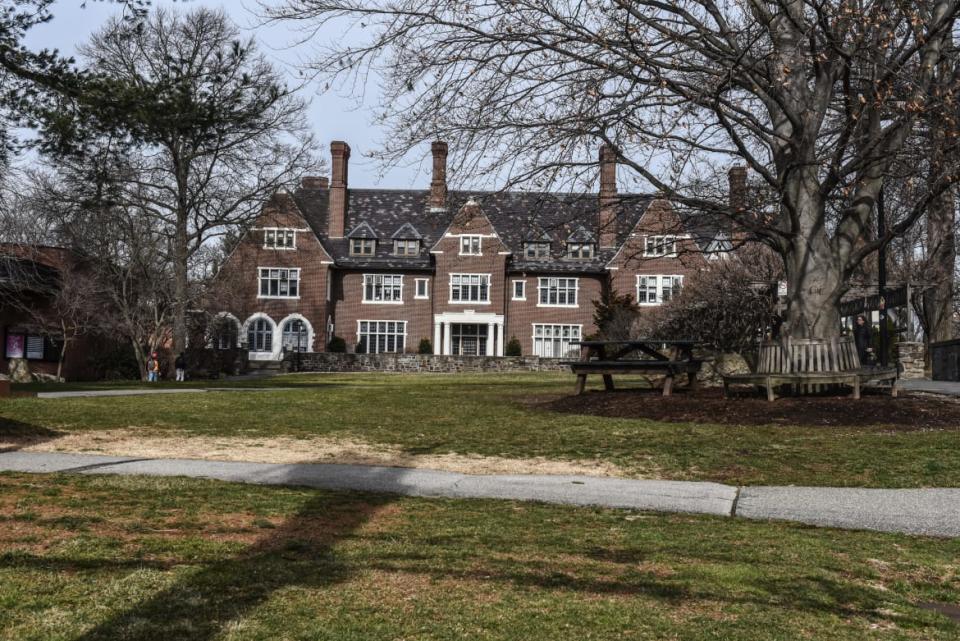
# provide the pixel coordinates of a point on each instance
(948, 388)
(146, 391)
(934, 512)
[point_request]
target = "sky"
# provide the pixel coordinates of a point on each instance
(332, 116)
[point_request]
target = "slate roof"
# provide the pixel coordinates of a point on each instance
(516, 216)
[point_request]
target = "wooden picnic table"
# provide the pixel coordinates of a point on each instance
(669, 357)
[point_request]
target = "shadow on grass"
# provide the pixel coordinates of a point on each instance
(15, 435)
(300, 552)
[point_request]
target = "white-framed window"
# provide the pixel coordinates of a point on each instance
(657, 289)
(579, 251)
(519, 290)
(362, 246)
(554, 341)
(558, 292)
(470, 245)
(379, 337)
(469, 288)
(536, 250)
(660, 246)
(279, 238)
(406, 248)
(260, 335)
(279, 282)
(422, 289)
(382, 288)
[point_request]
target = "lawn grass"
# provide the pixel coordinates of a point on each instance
(491, 415)
(96, 558)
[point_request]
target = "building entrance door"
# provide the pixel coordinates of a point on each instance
(468, 339)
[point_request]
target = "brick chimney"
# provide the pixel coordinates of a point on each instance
(609, 201)
(438, 185)
(737, 185)
(314, 182)
(340, 157)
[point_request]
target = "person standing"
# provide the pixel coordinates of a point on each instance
(861, 339)
(153, 368)
(181, 366)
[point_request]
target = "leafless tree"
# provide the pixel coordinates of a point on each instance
(816, 98)
(222, 133)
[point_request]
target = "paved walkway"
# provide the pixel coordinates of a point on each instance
(146, 391)
(934, 512)
(949, 388)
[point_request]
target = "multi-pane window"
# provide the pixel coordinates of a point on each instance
(558, 292)
(378, 337)
(656, 290)
(535, 251)
(406, 248)
(470, 245)
(279, 282)
(279, 239)
(469, 288)
(579, 251)
(554, 341)
(362, 246)
(260, 336)
(382, 288)
(519, 290)
(422, 288)
(294, 336)
(660, 246)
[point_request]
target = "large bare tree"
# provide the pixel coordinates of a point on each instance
(816, 97)
(220, 132)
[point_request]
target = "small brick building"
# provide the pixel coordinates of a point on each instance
(469, 271)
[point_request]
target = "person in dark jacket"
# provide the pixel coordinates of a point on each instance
(861, 339)
(181, 365)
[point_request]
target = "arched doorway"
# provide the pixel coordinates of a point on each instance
(295, 336)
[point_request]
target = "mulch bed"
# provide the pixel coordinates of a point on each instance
(909, 412)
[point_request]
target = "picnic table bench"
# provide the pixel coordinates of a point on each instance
(636, 356)
(809, 364)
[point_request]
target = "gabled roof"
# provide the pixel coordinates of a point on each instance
(581, 235)
(407, 232)
(516, 216)
(363, 230)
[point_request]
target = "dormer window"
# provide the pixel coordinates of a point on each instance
(274, 238)
(406, 248)
(536, 250)
(660, 246)
(362, 246)
(470, 245)
(579, 251)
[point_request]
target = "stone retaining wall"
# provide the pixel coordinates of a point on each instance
(911, 358)
(331, 362)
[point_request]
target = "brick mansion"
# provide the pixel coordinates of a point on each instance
(385, 269)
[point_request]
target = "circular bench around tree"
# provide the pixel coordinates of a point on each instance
(808, 363)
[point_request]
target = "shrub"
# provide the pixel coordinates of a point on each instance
(337, 345)
(615, 316)
(513, 347)
(425, 347)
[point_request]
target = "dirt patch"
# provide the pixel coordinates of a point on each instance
(906, 413)
(295, 450)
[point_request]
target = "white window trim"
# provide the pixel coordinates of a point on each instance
(416, 288)
(350, 251)
(364, 300)
(565, 306)
(479, 244)
(648, 254)
(569, 256)
(513, 289)
(659, 278)
(276, 229)
(471, 302)
(385, 320)
(537, 244)
(533, 334)
(404, 241)
(268, 297)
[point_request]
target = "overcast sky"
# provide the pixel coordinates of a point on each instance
(333, 117)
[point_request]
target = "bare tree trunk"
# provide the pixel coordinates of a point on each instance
(141, 359)
(938, 300)
(181, 259)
